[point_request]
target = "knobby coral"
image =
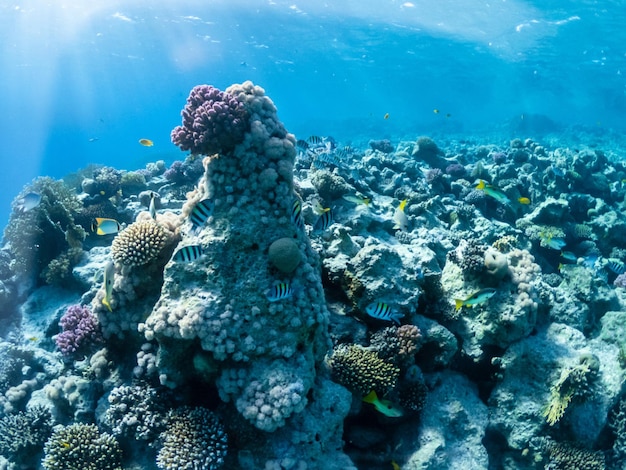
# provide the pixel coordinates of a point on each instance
(81, 331)
(81, 446)
(213, 122)
(194, 439)
(361, 370)
(140, 243)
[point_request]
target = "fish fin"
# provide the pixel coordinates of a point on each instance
(481, 184)
(403, 204)
(458, 304)
(370, 397)
(106, 303)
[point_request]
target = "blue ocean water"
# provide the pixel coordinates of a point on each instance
(81, 82)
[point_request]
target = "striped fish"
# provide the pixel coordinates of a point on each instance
(315, 140)
(324, 221)
(280, 291)
(296, 213)
(302, 144)
(188, 253)
(201, 212)
(383, 311)
(617, 266)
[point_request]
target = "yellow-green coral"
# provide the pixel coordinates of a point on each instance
(140, 243)
(574, 382)
(361, 370)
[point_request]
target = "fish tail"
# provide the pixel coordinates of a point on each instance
(458, 304)
(403, 204)
(106, 303)
(370, 397)
(481, 184)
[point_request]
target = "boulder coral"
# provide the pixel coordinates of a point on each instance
(217, 305)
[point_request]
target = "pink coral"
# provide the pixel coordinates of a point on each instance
(81, 330)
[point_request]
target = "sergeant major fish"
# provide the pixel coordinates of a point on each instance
(383, 311)
(279, 291)
(296, 213)
(324, 221)
(201, 213)
(188, 253)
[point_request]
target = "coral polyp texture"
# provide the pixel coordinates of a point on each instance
(139, 243)
(81, 446)
(213, 121)
(81, 330)
(193, 439)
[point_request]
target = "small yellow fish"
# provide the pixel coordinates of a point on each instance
(394, 465)
(318, 208)
(384, 406)
(400, 218)
(403, 204)
(146, 142)
(109, 275)
(436, 111)
(103, 226)
(386, 116)
(523, 200)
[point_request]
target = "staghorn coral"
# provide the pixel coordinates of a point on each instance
(22, 435)
(194, 439)
(139, 243)
(81, 446)
(81, 331)
(213, 122)
(361, 370)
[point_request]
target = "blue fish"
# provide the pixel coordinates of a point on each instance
(280, 291)
(383, 311)
(324, 221)
(296, 213)
(188, 253)
(201, 212)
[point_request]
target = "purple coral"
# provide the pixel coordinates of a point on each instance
(620, 281)
(456, 170)
(213, 122)
(81, 330)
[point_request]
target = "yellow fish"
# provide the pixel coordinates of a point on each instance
(476, 298)
(109, 275)
(384, 406)
(523, 200)
(318, 208)
(395, 465)
(103, 226)
(386, 116)
(436, 111)
(146, 142)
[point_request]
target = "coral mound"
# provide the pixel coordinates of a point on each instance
(194, 439)
(213, 122)
(140, 243)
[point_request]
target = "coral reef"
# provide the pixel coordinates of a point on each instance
(140, 243)
(72, 447)
(81, 331)
(193, 439)
(213, 121)
(22, 435)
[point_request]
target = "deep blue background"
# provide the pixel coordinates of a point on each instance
(120, 71)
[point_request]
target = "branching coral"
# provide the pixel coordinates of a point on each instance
(361, 370)
(80, 446)
(213, 122)
(81, 331)
(24, 433)
(396, 344)
(194, 439)
(574, 382)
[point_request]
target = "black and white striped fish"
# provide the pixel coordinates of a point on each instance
(324, 221)
(279, 291)
(296, 213)
(616, 265)
(201, 212)
(188, 253)
(383, 311)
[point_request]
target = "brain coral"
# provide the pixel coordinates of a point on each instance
(361, 370)
(81, 446)
(194, 439)
(140, 243)
(213, 122)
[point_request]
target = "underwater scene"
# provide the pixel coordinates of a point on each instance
(301, 235)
